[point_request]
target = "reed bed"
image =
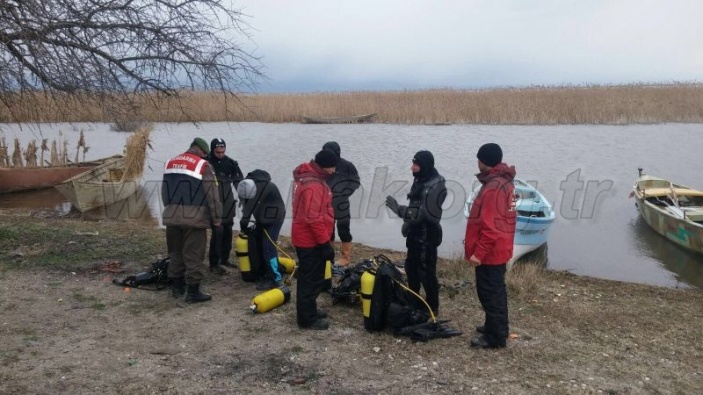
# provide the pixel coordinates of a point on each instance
(28, 157)
(595, 104)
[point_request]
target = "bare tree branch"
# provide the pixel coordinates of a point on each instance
(123, 50)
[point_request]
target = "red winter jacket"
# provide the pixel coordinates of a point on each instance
(313, 217)
(491, 225)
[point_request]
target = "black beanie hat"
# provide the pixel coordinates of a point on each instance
(425, 160)
(217, 143)
(334, 147)
(326, 159)
(490, 154)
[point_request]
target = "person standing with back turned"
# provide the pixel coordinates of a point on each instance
(313, 223)
(490, 230)
(343, 183)
(191, 203)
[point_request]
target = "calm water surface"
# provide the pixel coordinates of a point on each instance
(586, 171)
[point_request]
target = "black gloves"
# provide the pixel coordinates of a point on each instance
(243, 225)
(326, 251)
(392, 204)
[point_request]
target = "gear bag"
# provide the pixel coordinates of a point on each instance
(158, 276)
(348, 288)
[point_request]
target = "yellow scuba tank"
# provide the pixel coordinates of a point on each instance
(241, 249)
(287, 263)
(367, 282)
(328, 276)
(270, 299)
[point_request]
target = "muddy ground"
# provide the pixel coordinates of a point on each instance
(66, 328)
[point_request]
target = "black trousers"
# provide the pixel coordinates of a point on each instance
(311, 280)
(490, 287)
(220, 245)
(344, 230)
(421, 269)
(342, 216)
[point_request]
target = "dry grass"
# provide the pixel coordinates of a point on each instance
(135, 153)
(625, 104)
(572, 334)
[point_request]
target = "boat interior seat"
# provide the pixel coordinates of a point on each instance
(693, 214)
(663, 192)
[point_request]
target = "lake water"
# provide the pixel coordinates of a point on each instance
(586, 171)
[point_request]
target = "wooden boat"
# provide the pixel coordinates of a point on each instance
(352, 119)
(17, 179)
(534, 218)
(100, 186)
(674, 211)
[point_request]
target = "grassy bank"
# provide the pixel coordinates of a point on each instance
(63, 319)
(595, 104)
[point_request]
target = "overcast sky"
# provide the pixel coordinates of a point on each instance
(342, 45)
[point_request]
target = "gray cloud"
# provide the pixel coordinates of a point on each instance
(316, 45)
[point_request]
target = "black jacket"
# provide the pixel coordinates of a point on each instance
(228, 175)
(267, 207)
(424, 211)
(343, 182)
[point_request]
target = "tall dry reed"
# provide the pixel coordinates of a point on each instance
(135, 153)
(595, 104)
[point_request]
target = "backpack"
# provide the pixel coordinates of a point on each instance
(158, 275)
(393, 305)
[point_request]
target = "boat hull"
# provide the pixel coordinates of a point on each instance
(31, 178)
(686, 234)
(532, 231)
(672, 210)
(366, 118)
(99, 187)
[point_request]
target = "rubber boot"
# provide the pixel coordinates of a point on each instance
(195, 296)
(346, 254)
(178, 287)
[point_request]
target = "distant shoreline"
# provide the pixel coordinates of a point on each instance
(558, 105)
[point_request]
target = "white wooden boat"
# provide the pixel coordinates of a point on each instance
(674, 211)
(100, 186)
(534, 218)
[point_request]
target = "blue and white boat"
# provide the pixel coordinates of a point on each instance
(534, 218)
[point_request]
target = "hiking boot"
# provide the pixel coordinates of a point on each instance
(320, 324)
(218, 270)
(228, 264)
(267, 284)
(481, 342)
(178, 287)
(195, 296)
(321, 314)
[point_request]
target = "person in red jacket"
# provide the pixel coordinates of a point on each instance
(489, 242)
(313, 224)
